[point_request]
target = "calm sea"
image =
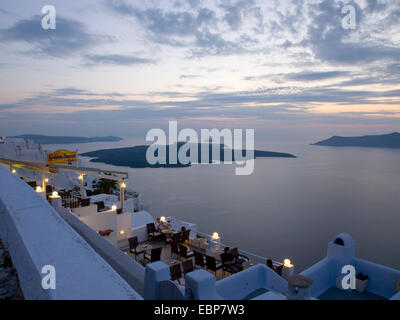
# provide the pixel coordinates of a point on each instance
(288, 208)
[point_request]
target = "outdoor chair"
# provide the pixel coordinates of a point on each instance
(188, 266)
(174, 249)
(212, 264)
(237, 255)
(185, 236)
(184, 252)
(199, 259)
(133, 243)
(175, 272)
(154, 256)
(152, 232)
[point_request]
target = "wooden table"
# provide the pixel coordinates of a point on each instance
(171, 262)
(216, 253)
(143, 247)
(199, 243)
(249, 264)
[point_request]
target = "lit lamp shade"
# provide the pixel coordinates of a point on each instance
(54, 194)
(122, 232)
(46, 180)
(288, 269)
(215, 236)
(39, 189)
(114, 207)
(287, 263)
(123, 185)
(14, 171)
(162, 219)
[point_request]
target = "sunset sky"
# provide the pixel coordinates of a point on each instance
(285, 68)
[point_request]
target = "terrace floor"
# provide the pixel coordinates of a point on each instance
(336, 294)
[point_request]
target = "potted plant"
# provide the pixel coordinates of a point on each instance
(361, 282)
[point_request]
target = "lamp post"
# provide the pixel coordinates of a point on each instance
(288, 269)
(82, 180)
(42, 192)
(44, 182)
(55, 199)
(215, 240)
(122, 194)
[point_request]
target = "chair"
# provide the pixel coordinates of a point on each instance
(212, 264)
(100, 206)
(199, 259)
(133, 243)
(154, 256)
(184, 253)
(185, 236)
(152, 232)
(32, 184)
(188, 266)
(235, 253)
(175, 272)
(84, 202)
(279, 269)
(174, 249)
(176, 237)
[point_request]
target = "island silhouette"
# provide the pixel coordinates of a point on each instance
(135, 157)
(391, 141)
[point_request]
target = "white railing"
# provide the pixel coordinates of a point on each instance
(70, 202)
(250, 255)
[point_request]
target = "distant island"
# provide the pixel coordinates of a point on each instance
(391, 141)
(65, 140)
(135, 157)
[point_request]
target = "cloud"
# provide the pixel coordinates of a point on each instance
(8, 106)
(236, 13)
(70, 36)
(301, 76)
(5, 12)
(79, 92)
(189, 76)
(314, 76)
(197, 30)
(285, 99)
(330, 42)
(116, 59)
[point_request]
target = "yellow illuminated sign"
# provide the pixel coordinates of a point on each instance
(62, 156)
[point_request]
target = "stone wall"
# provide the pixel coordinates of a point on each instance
(9, 283)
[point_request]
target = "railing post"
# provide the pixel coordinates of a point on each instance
(201, 285)
(154, 274)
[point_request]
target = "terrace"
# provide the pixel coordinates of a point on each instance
(192, 250)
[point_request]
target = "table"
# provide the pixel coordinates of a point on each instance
(249, 264)
(143, 247)
(199, 243)
(171, 262)
(216, 253)
(167, 233)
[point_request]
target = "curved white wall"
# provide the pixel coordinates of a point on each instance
(37, 236)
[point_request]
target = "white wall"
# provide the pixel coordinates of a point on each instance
(36, 236)
(85, 211)
(103, 221)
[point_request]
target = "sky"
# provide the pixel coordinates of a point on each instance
(285, 68)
